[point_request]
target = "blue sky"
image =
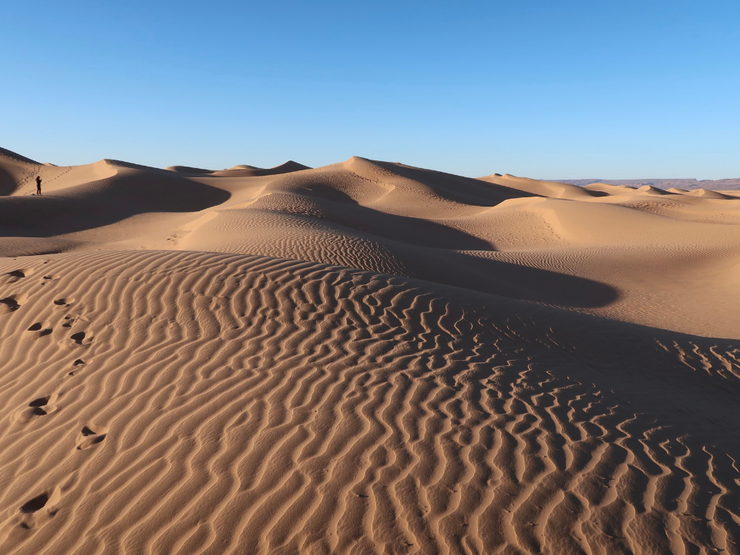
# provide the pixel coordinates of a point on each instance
(567, 89)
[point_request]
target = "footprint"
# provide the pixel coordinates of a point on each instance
(11, 303)
(90, 436)
(21, 273)
(38, 510)
(64, 301)
(15, 275)
(35, 504)
(78, 339)
(42, 328)
(38, 407)
(76, 363)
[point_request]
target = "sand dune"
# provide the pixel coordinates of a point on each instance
(364, 358)
(242, 170)
(685, 184)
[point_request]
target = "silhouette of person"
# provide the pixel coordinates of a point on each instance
(38, 185)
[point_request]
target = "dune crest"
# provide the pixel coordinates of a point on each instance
(365, 357)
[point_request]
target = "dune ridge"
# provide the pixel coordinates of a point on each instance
(365, 358)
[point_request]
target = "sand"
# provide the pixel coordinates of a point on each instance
(364, 358)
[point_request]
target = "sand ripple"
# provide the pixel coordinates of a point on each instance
(216, 403)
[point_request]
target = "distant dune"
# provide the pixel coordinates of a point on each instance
(687, 184)
(365, 357)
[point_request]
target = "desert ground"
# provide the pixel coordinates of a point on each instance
(364, 358)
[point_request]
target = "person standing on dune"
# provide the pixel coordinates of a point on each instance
(38, 185)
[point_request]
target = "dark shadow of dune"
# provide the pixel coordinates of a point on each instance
(17, 157)
(189, 170)
(594, 193)
(7, 183)
(428, 251)
(240, 171)
(455, 187)
(342, 209)
(512, 280)
(251, 171)
(104, 202)
(688, 383)
(653, 190)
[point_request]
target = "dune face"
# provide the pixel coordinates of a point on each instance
(364, 358)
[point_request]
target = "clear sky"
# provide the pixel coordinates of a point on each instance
(542, 88)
